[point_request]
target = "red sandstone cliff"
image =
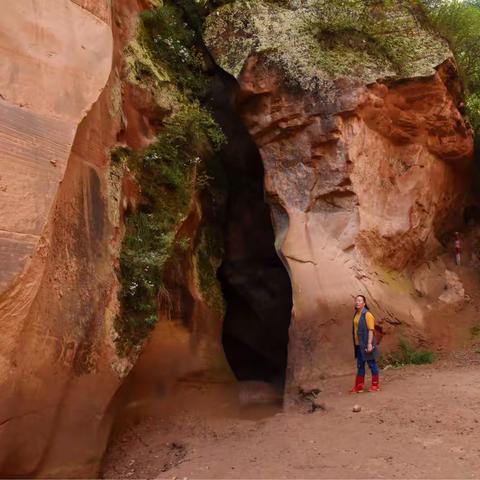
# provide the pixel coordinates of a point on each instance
(366, 159)
(67, 99)
(361, 174)
(60, 234)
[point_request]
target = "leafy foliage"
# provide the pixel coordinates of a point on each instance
(208, 257)
(172, 44)
(168, 174)
(179, 167)
(408, 355)
(459, 22)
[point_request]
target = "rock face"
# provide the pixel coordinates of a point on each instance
(365, 156)
(57, 67)
(61, 232)
(365, 161)
(68, 98)
(53, 240)
(454, 291)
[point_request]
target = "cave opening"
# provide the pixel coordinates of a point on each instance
(255, 283)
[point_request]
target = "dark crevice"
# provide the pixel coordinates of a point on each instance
(255, 283)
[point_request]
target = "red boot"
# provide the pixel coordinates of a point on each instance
(358, 387)
(375, 384)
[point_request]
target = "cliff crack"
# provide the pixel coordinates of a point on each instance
(15, 417)
(300, 260)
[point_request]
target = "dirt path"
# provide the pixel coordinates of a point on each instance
(425, 423)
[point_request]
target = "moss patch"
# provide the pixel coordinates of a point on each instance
(208, 257)
(171, 172)
(176, 170)
(318, 40)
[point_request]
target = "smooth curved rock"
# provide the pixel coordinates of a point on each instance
(60, 372)
(55, 289)
(58, 57)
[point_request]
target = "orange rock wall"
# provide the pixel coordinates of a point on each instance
(57, 287)
(359, 188)
(65, 103)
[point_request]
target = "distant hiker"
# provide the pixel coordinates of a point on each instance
(365, 345)
(458, 248)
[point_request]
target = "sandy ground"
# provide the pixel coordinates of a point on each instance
(425, 423)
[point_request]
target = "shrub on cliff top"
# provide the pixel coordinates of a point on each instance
(459, 22)
(173, 45)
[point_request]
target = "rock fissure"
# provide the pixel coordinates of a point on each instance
(254, 281)
(300, 260)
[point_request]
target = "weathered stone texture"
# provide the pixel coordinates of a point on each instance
(362, 170)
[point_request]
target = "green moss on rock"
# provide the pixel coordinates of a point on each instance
(208, 257)
(172, 172)
(316, 41)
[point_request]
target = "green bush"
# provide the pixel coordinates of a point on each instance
(174, 45)
(169, 173)
(408, 355)
(179, 167)
(459, 22)
(475, 331)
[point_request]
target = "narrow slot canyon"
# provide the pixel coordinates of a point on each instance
(163, 385)
(194, 193)
(255, 283)
(257, 296)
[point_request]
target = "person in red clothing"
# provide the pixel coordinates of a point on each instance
(365, 345)
(458, 248)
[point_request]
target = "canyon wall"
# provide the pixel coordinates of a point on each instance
(68, 97)
(56, 281)
(366, 158)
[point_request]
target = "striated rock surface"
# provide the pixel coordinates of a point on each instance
(366, 157)
(70, 95)
(54, 289)
(61, 232)
(56, 69)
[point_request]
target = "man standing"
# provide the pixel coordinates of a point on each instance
(458, 248)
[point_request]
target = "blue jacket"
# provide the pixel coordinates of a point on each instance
(363, 339)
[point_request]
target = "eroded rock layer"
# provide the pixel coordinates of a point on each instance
(366, 160)
(363, 168)
(71, 99)
(55, 283)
